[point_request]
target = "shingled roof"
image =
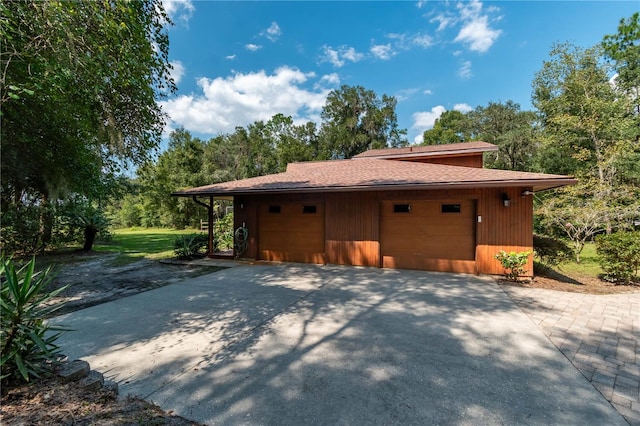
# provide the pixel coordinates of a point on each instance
(374, 174)
(429, 150)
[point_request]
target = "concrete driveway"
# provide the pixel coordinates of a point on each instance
(305, 344)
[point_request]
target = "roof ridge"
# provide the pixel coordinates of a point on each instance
(461, 147)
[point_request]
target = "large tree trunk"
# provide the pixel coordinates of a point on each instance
(90, 233)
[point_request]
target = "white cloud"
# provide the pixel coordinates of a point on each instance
(422, 40)
(230, 57)
(273, 32)
(338, 57)
(476, 31)
(428, 92)
(462, 107)
(178, 71)
(352, 55)
(331, 79)
(240, 99)
(405, 94)
(179, 10)
(443, 21)
(252, 47)
(407, 41)
(332, 56)
(382, 51)
(426, 119)
(421, 3)
(465, 70)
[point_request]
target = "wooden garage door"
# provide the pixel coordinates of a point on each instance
(291, 232)
(429, 235)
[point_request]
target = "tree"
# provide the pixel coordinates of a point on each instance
(292, 143)
(79, 88)
(451, 127)
(623, 49)
(355, 119)
(511, 129)
(578, 214)
(586, 122)
(179, 167)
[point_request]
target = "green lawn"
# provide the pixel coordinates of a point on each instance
(138, 243)
(588, 265)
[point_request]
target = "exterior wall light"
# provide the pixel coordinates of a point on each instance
(505, 199)
(525, 193)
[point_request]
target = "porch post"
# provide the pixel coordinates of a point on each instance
(210, 227)
(209, 220)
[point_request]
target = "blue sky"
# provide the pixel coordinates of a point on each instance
(238, 62)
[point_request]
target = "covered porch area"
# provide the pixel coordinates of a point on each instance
(221, 242)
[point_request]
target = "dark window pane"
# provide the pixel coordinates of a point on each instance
(274, 209)
(451, 208)
(402, 208)
(309, 209)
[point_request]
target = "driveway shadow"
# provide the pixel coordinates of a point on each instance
(305, 344)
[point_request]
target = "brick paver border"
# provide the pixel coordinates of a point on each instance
(599, 334)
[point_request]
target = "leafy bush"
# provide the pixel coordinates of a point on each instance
(551, 251)
(191, 245)
(223, 230)
(67, 221)
(20, 229)
(619, 255)
(513, 263)
(26, 340)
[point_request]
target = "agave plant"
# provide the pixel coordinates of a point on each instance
(27, 341)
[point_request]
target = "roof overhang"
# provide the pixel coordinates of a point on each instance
(536, 185)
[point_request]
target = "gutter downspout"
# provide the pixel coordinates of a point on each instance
(209, 220)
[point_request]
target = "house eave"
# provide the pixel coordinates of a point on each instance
(536, 184)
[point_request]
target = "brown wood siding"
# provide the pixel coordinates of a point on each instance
(291, 235)
(352, 231)
(504, 228)
(467, 160)
(245, 213)
(352, 226)
(426, 238)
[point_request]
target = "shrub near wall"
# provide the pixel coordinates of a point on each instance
(551, 251)
(619, 256)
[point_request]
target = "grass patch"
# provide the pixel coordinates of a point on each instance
(588, 265)
(149, 243)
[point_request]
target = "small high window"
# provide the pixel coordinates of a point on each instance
(309, 209)
(274, 209)
(402, 208)
(451, 208)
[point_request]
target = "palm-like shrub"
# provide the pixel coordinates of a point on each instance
(27, 342)
(189, 246)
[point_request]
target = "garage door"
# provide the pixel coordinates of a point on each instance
(291, 232)
(429, 235)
